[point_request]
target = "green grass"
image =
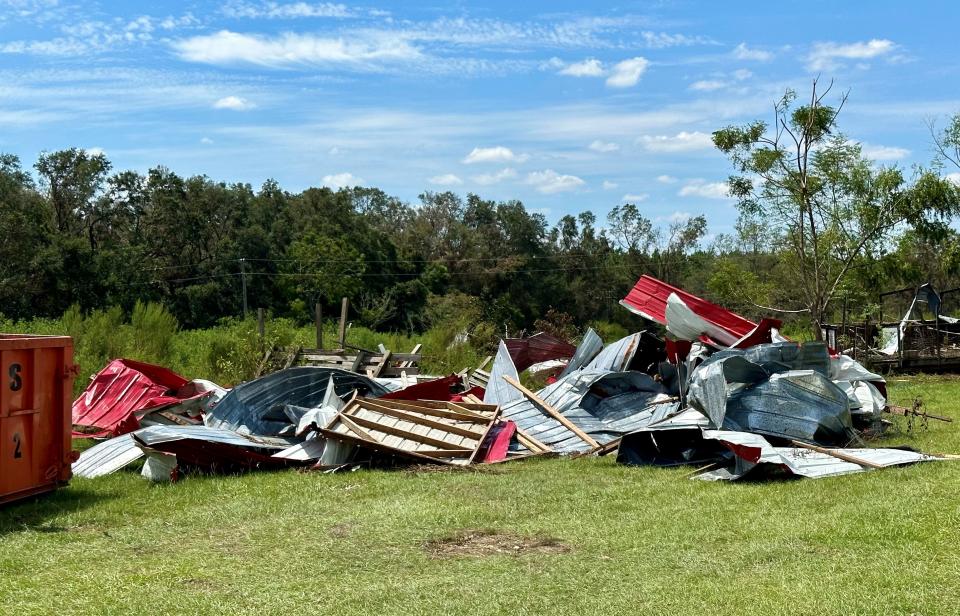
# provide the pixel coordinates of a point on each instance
(642, 540)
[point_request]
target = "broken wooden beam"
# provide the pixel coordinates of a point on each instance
(569, 425)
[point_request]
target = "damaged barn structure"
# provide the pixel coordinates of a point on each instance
(728, 396)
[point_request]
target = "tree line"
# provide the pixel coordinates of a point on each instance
(821, 228)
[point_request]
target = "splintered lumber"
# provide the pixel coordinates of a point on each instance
(569, 425)
(438, 432)
(837, 454)
(607, 448)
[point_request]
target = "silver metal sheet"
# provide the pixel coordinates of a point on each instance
(616, 357)
(154, 435)
(586, 351)
(256, 406)
(499, 391)
(107, 457)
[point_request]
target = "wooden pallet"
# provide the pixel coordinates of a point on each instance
(387, 364)
(426, 431)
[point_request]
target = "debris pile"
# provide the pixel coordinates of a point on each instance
(728, 396)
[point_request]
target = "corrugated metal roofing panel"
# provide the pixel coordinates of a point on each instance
(499, 391)
(616, 356)
(256, 406)
(107, 457)
(586, 351)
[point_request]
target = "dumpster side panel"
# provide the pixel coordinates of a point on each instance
(36, 384)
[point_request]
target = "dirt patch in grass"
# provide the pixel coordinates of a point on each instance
(491, 543)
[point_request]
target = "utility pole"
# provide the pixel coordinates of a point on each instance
(243, 281)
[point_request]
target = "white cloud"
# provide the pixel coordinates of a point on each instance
(681, 142)
(235, 103)
(661, 40)
(279, 10)
(704, 189)
(487, 179)
(591, 67)
(954, 177)
(707, 85)
(666, 179)
(94, 151)
(742, 52)
(496, 154)
(608, 185)
(604, 146)
(447, 179)
(675, 217)
(741, 73)
(883, 152)
(289, 49)
(825, 56)
(627, 73)
(206, 140)
(342, 180)
(549, 181)
(634, 197)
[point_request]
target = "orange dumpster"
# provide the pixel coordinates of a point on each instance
(36, 389)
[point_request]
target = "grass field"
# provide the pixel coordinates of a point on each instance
(593, 538)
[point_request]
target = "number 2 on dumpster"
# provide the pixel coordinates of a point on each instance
(15, 381)
(16, 451)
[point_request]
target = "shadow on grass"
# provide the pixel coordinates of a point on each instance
(34, 513)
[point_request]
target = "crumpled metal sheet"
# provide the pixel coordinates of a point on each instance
(537, 348)
(122, 391)
(256, 407)
(603, 404)
(157, 435)
(616, 357)
(499, 391)
(648, 298)
(107, 457)
(586, 351)
(753, 453)
(761, 390)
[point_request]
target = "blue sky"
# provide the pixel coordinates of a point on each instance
(565, 106)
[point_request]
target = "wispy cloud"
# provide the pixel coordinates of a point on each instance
(827, 56)
(627, 73)
(488, 179)
(549, 181)
(608, 185)
(743, 52)
(634, 197)
(883, 152)
(342, 180)
(285, 50)
(285, 10)
(496, 154)
(681, 142)
(235, 103)
(447, 179)
(704, 189)
(591, 67)
(666, 179)
(604, 146)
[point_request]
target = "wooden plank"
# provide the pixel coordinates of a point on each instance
(383, 362)
(292, 358)
(607, 448)
(486, 433)
(350, 425)
(408, 416)
(263, 364)
(357, 359)
(447, 453)
(484, 363)
(569, 425)
(459, 414)
(472, 399)
(406, 363)
(407, 434)
(531, 443)
(837, 454)
(350, 438)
